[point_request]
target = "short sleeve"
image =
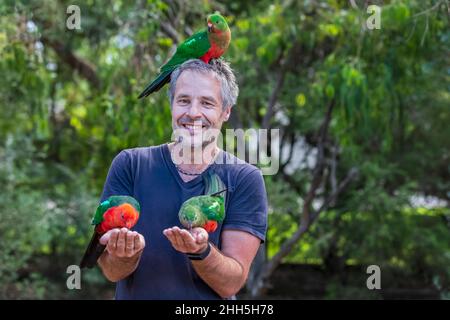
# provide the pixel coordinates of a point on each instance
(119, 180)
(247, 210)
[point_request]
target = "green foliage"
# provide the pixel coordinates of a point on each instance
(44, 226)
(61, 125)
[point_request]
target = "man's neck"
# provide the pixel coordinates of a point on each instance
(193, 160)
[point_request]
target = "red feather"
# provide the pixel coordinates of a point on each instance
(210, 226)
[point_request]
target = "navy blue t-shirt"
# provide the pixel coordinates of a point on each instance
(149, 175)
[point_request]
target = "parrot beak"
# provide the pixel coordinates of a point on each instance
(210, 26)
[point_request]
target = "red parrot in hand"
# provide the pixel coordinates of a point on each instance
(115, 212)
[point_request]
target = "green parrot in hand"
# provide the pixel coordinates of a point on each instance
(208, 210)
(207, 44)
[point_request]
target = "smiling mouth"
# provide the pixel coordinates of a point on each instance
(193, 126)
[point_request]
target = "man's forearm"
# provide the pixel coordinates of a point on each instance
(116, 269)
(223, 274)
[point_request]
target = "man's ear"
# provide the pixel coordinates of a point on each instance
(226, 113)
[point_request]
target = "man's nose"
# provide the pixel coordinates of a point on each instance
(194, 110)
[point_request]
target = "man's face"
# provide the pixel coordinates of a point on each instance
(197, 108)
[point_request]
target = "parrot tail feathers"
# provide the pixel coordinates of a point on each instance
(158, 83)
(93, 252)
(215, 186)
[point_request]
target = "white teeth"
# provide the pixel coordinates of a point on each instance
(193, 127)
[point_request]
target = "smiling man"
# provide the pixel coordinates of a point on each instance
(160, 259)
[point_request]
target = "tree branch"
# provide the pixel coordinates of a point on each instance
(285, 63)
(333, 165)
(436, 6)
(320, 164)
(84, 68)
(289, 244)
(291, 150)
(170, 31)
(306, 218)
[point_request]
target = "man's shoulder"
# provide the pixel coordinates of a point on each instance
(143, 152)
(134, 158)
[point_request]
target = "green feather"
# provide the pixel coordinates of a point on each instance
(213, 208)
(214, 184)
(158, 83)
(101, 209)
(193, 47)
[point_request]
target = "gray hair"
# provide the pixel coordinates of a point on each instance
(221, 70)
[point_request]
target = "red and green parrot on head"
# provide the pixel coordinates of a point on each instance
(205, 45)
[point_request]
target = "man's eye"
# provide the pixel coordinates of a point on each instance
(183, 101)
(208, 104)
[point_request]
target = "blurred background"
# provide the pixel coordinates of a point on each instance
(364, 117)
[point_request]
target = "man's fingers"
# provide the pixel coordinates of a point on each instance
(200, 235)
(188, 240)
(112, 241)
(121, 240)
(184, 240)
(200, 238)
(129, 246)
(181, 238)
(105, 238)
(187, 236)
(123, 243)
(139, 242)
(170, 234)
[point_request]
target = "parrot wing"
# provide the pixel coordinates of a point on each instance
(193, 47)
(93, 252)
(213, 207)
(101, 209)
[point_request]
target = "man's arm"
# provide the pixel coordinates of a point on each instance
(224, 271)
(123, 252)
